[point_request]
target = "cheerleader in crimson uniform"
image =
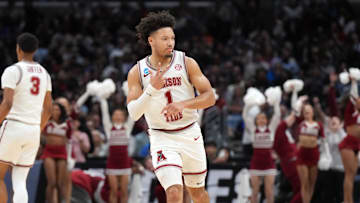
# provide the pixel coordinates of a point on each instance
(309, 131)
(118, 166)
(262, 163)
(285, 148)
(350, 145)
(57, 133)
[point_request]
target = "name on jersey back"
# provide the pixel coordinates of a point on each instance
(34, 69)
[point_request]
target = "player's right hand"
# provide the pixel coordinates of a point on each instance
(157, 80)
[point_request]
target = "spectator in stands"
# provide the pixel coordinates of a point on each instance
(216, 155)
(80, 142)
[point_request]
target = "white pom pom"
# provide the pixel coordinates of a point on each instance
(287, 86)
(344, 77)
(125, 88)
(293, 85)
(253, 111)
(107, 87)
(298, 85)
(254, 97)
(324, 163)
(93, 87)
(273, 95)
(354, 73)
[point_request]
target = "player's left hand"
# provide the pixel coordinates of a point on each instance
(173, 109)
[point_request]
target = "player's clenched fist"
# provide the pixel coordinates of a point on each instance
(157, 80)
(173, 109)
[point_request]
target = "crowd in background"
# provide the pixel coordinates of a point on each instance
(257, 46)
(238, 44)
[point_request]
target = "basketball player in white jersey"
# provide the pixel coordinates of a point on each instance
(26, 108)
(161, 86)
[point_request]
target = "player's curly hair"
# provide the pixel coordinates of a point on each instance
(152, 22)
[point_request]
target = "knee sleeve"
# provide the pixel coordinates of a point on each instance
(195, 180)
(19, 175)
(169, 176)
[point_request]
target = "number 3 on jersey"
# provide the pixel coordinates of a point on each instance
(36, 85)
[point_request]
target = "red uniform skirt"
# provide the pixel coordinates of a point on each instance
(350, 142)
(118, 162)
(308, 156)
(54, 151)
(262, 163)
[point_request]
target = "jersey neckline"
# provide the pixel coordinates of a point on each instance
(150, 66)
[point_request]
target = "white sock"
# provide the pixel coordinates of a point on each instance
(19, 175)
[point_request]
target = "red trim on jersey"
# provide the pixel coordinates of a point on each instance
(20, 165)
(187, 73)
(165, 165)
(171, 62)
(7, 162)
(174, 130)
(12, 164)
(197, 173)
(3, 130)
(139, 69)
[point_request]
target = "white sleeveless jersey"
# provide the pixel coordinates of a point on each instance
(30, 82)
(177, 88)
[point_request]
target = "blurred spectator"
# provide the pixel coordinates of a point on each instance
(259, 45)
(80, 142)
(216, 155)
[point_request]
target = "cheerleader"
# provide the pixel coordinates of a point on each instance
(350, 145)
(285, 148)
(262, 163)
(309, 132)
(329, 188)
(57, 133)
(118, 166)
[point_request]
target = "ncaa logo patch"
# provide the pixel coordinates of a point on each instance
(178, 67)
(146, 72)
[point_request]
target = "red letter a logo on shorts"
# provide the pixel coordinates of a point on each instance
(160, 156)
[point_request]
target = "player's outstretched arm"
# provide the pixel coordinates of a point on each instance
(6, 103)
(137, 99)
(47, 108)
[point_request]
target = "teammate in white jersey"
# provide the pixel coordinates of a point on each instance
(26, 104)
(161, 86)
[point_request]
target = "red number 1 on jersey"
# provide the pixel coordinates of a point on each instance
(172, 118)
(36, 83)
(168, 96)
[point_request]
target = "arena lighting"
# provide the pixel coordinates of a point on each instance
(148, 4)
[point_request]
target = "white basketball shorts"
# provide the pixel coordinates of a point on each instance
(19, 143)
(179, 154)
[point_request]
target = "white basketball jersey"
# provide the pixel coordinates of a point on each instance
(177, 88)
(30, 82)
